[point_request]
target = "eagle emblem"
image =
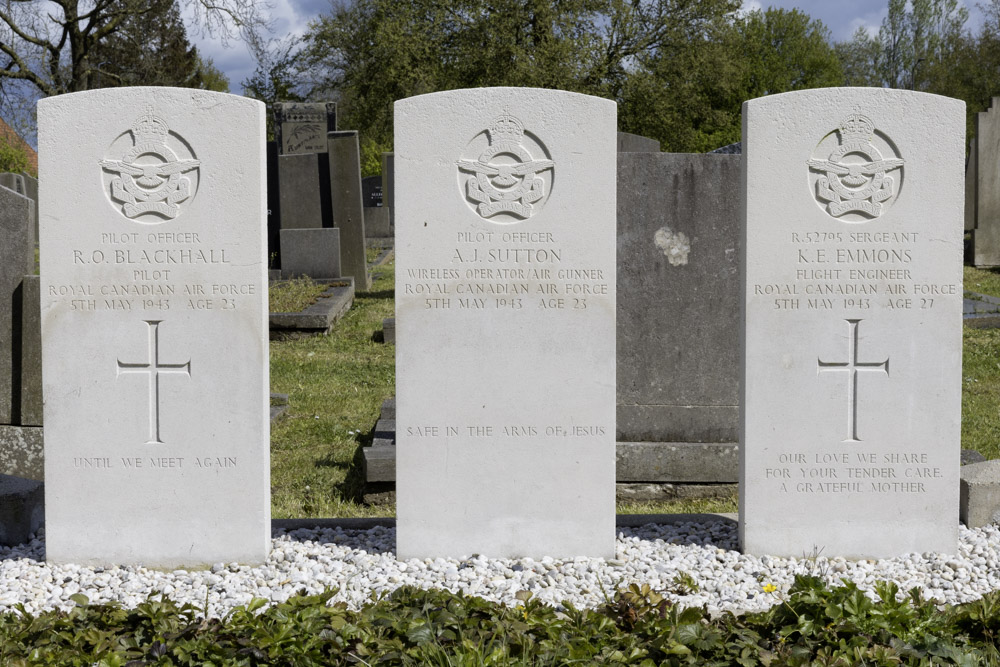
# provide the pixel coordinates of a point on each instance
(148, 177)
(855, 178)
(505, 177)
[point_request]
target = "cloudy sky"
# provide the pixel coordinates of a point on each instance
(291, 17)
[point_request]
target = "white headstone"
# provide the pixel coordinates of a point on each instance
(853, 322)
(154, 330)
(505, 309)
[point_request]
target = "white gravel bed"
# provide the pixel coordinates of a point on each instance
(361, 564)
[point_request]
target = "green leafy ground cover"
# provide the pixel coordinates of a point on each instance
(810, 625)
(337, 383)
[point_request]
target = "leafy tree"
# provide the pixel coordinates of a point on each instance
(12, 157)
(859, 58)
(53, 45)
(365, 54)
(151, 49)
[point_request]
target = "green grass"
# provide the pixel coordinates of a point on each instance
(292, 296)
(336, 385)
(983, 281)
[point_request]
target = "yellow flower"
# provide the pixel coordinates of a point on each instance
(770, 588)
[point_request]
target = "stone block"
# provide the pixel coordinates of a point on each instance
(22, 509)
(16, 261)
(377, 222)
(348, 212)
(389, 331)
(389, 409)
(986, 235)
(31, 353)
(380, 464)
(677, 462)
(304, 191)
(22, 451)
(389, 186)
(979, 503)
(311, 252)
(678, 298)
(636, 143)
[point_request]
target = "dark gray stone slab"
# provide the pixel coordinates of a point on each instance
(986, 235)
(385, 428)
(380, 464)
(636, 143)
(371, 191)
(348, 211)
(389, 185)
(377, 222)
(16, 261)
(311, 252)
(301, 127)
(971, 456)
(389, 408)
(31, 192)
(970, 186)
(31, 353)
(677, 462)
(304, 191)
(22, 451)
(273, 209)
(389, 331)
(678, 298)
(22, 509)
(319, 317)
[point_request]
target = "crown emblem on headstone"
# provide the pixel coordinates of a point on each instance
(149, 175)
(854, 176)
(149, 129)
(505, 129)
(505, 175)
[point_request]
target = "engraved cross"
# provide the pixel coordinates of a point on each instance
(153, 368)
(853, 367)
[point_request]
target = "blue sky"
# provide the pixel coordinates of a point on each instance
(842, 17)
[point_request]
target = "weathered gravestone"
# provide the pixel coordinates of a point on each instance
(371, 191)
(16, 261)
(376, 215)
(985, 208)
(505, 304)
(678, 318)
(389, 186)
(154, 310)
(636, 143)
(301, 127)
(304, 191)
(348, 212)
(852, 319)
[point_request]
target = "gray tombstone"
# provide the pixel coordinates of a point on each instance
(301, 127)
(16, 261)
(310, 252)
(348, 213)
(678, 311)
(636, 143)
(371, 191)
(389, 186)
(986, 235)
(300, 192)
(970, 187)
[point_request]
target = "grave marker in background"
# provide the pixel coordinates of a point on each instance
(154, 302)
(853, 323)
(505, 282)
(301, 127)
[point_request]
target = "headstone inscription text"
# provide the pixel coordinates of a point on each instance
(852, 318)
(154, 327)
(505, 429)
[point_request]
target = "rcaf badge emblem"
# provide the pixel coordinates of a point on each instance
(852, 181)
(147, 178)
(508, 182)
